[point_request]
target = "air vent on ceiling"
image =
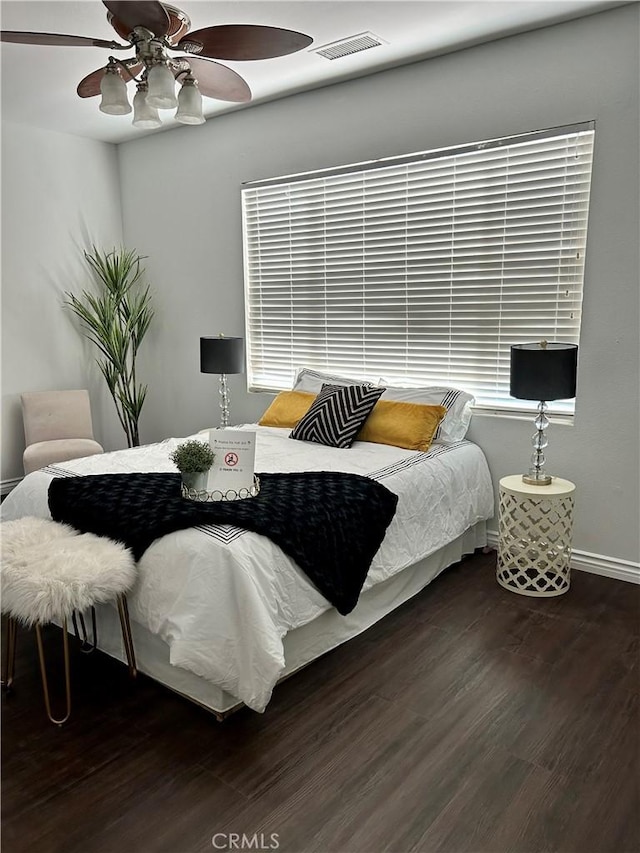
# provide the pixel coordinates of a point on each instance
(347, 46)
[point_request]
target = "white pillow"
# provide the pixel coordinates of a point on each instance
(458, 404)
(312, 381)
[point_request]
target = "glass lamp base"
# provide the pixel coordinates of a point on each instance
(536, 475)
(224, 401)
(542, 480)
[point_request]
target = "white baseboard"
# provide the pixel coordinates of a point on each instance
(596, 564)
(608, 567)
(7, 485)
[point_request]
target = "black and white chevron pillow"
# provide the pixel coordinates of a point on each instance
(337, 414)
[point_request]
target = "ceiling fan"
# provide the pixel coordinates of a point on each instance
(156, 31)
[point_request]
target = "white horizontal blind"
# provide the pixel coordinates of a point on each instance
(420, 271)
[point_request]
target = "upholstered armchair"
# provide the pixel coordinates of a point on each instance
(57, 427)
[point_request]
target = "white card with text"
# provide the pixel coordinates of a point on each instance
(233, 466)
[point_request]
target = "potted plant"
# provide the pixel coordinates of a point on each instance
(116, 319)
(193, 459)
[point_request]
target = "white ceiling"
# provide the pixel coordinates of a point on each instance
(39, 83)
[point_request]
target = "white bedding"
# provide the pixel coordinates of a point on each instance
(223, 598)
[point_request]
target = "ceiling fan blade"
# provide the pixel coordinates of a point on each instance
(90, 85)
(243, 41)
(140, 13)
(55, 39)
(218, 81)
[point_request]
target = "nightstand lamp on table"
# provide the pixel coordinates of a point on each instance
(222, 355)
(536, 510)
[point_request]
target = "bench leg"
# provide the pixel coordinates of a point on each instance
(10, 660)
(67, 673)
(123, 612)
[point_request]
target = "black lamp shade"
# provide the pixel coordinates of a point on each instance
(221, 355)
(544, 372)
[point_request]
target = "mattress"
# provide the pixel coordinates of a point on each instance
(222, 599)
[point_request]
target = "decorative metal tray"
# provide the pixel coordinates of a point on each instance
(204, 496)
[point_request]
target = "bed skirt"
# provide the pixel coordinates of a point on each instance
(302, 645)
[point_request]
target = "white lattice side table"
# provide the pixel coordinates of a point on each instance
(535, 528)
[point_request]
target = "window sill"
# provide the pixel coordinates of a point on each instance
(509, 414)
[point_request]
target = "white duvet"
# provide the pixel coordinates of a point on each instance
(223, 598)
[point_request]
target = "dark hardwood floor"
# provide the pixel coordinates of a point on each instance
(471, 720)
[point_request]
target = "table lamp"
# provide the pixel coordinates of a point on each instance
(222, 355)
(543, 371)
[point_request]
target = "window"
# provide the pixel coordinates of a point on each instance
(422, 269)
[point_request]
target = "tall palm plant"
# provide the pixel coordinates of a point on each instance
(116, 319)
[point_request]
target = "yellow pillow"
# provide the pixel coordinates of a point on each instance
(408, 425)
(287, 409)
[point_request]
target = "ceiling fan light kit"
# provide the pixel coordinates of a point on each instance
(114, 93)
(190, 103)
(162, 87)
(144, 116)
(154, 29)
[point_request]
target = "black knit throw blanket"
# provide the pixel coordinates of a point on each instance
(330, 523)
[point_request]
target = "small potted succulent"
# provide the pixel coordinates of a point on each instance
(193, 459)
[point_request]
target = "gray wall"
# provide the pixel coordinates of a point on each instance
(181, 207)
(576, 71)
(59, 194)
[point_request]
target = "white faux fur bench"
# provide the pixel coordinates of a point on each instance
(49, 572)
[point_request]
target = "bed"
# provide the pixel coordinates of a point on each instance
(220, 614)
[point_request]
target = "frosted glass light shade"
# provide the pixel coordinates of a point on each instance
(162, 88)
(144, 116)
(114, 95)
(190, 104)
